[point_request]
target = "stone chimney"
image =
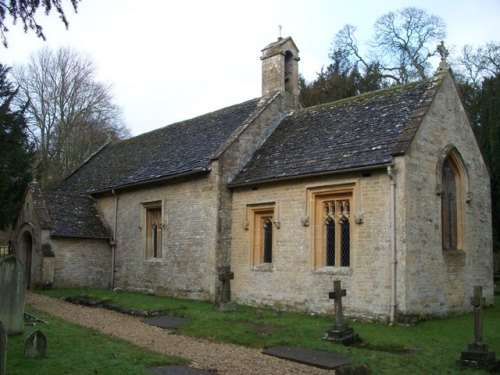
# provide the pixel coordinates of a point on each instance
(280, 69)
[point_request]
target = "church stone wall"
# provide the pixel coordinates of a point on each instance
(187, 265)
(27, 224)
(81, 263)
(292, 282)
(438, 282)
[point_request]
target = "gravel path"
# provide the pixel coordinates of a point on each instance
(204, 354)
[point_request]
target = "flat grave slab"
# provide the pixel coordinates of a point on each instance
(317, 358)
(165, 321)
(179, 370)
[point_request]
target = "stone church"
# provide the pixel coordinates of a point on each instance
(386, 191)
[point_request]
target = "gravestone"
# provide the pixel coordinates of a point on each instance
(35, 345)
(340, 330)
(12, 294)
(311, 357)
(478, 353)
(224, 303)
(3, 349)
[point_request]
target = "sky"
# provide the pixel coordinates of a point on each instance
(168, 61)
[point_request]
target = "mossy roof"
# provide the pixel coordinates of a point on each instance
(74, 215)
(359, 132)
(181, 148)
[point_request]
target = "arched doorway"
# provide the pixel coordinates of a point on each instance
(27, 250)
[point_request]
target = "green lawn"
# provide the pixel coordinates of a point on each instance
(430, 347)
(75, 350)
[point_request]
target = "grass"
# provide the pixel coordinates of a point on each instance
(430, 347)
(75, 350)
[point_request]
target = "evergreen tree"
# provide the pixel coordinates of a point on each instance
(488, 131)
(15, 158)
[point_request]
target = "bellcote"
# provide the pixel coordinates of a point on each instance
(280, 68)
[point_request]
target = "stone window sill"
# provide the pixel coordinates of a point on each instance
(263, 267)
(454, 253)
(340, 271)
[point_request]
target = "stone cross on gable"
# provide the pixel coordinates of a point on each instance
(443, 51)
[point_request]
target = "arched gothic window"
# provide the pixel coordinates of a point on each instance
(449, 206)
(452, 198)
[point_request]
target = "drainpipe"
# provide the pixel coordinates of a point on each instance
(113, 241)
(394, 261)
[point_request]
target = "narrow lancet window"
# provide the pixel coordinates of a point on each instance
(268, 241)
(449, 206)
(153, 232)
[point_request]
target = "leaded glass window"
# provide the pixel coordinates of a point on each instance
(337, 233)
(268, 240)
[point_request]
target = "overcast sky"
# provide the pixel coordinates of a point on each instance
(169, 61)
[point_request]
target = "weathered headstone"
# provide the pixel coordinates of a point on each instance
(225, 277)
(340, 330)
(478, 353)
(35, 345)
(3, 349)
(12, 294)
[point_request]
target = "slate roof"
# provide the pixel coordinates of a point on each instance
(180, 148)
(74, 215)
(40, 206)
(358, 132)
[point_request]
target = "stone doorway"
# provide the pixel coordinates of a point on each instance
(28, 252)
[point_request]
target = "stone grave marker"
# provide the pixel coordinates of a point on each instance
(340, 330)
(317, 358)
(478, 353)
(225, 277)
(3, 349)
(12, 294)
(35, 345)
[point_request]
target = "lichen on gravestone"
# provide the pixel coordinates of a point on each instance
(35, 345)
(12, 294)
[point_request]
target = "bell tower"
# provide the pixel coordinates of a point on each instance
(280, 68)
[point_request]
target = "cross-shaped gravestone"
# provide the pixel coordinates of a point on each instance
(477, 353)
(340, 330)
(225, 277)
(478, 301)
(337, 295)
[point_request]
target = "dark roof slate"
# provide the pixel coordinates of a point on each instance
(183, 147)
(74, 215)
(357, 132)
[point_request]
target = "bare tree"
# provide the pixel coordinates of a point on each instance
(402, 45)
(408, 38)
(25, 11)
(70, 113)
(479, 63)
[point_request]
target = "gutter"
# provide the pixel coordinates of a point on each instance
(150, 181)
(113, 241)
(394, 261)
(308, 175)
